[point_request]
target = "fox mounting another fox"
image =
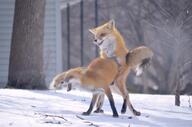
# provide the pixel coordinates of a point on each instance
(111, 69)
(112, 45)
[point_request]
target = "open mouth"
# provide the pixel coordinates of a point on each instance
(100, 43)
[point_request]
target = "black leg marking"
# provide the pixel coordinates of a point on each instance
(112, 104)
(88, 112)
(124, 107)
(98, 110)
(111, 101)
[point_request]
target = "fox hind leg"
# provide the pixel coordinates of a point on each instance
(121, 84)
(124, 106)
(127, 102)
(111, 101)
(100, 102)
(92, 104)
(123, 93)
(131, 108)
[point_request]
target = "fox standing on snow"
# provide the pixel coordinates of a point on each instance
(112, 45)
(95, 78)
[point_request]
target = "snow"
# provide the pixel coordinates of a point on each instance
(27, 108)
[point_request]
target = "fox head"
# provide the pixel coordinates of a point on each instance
(108, 39)
(57, 81)
(69, 79)
(73, 78)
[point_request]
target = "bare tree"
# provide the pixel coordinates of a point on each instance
(26, 57)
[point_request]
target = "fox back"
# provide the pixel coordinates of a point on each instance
(101, 72)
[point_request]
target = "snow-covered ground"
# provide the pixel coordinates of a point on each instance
(25, 108)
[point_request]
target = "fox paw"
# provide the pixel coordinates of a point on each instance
(123, 111)
(99, 111)
(85, 113)
(137, 113)
(115, 115)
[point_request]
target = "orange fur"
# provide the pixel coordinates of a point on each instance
(95, 74)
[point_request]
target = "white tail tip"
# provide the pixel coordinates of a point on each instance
(139, 71)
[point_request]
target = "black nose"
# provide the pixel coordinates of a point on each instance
(95, 40)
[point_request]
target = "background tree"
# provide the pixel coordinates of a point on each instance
(26, 57)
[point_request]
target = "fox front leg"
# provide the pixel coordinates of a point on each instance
(94, 98)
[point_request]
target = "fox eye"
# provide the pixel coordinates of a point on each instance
(102, 35)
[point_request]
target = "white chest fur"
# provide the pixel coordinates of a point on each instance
(108, 46)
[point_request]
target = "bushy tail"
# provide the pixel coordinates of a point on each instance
(139, 59)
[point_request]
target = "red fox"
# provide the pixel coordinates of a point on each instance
(112, 45)
(95, 78)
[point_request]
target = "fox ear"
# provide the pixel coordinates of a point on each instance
(93, 31)
(111, 24)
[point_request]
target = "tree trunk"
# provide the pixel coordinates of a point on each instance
(177, 92)
(26, 56)
(177, 97)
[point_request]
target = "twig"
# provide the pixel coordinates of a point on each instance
(46, 115)
(55, 116)
(80, 117)
(189, 101)
(90, 123)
